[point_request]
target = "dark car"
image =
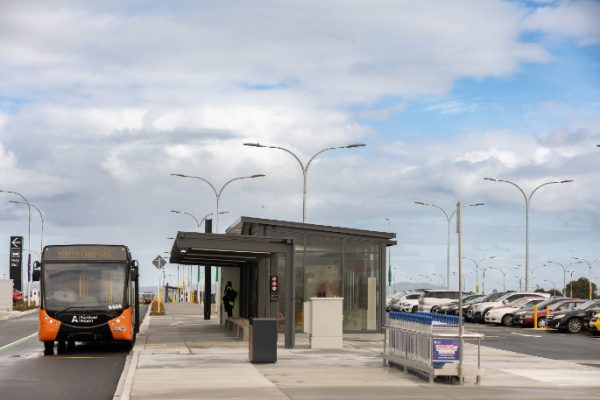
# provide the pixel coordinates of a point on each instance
(468, 310)
(576, 320)
(524, 317)
(451, 308)
(17, 296)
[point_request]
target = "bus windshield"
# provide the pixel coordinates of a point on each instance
(84, 286)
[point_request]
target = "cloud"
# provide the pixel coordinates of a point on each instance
(350, 51)
(572, 19)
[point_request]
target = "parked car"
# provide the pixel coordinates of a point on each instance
(595, 324)
(452, 308)
(478, 311)
(574, 321)
(17, 296)
(405, 302)
(525, 316)
(444, 308)
(504, 314)
(434, 297)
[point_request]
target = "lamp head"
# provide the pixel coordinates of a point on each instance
(353, 145)
(254, 145)
(567, 181)
(419, 203)
(176, 211)
(179, 175)
(257, 176)
(490, 179)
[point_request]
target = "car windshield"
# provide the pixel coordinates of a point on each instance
(83, 286)
(474, 299)
(588, 304)
(494, 296)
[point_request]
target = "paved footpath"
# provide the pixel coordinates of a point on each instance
(181, 356)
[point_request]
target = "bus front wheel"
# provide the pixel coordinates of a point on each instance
(48, 348)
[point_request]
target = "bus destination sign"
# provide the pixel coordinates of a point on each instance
(85, 253)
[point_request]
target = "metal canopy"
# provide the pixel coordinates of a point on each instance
(224, 250)
(192, 248)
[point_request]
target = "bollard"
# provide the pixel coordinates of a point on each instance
(535, 316)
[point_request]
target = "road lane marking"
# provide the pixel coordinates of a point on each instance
(524, 334)
(16, 342)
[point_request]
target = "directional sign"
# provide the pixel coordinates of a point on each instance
(15, 260)
(159, 262)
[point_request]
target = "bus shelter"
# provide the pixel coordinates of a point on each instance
(251, 263)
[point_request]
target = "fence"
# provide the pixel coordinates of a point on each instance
(428, 345)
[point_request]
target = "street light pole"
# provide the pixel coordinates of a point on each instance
(305, 167)
(589, 264)
(527, 203)
(198, 223)
(28, 241)
(477, 270)
(564, 268)
(219, 192)
(449, 220)
(41, 218)
(504, 272)
(553, 286)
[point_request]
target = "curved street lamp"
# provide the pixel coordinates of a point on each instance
(28, 240)
(449, 219)
(553, 286)
(198, 223)
(219, 192)
(527, 203)
(589, 264)
(41, 218)
(477, 269)
(564, 268)
(305, 167)
(504, 272)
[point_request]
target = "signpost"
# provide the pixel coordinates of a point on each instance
(16, 260)
(159, 263)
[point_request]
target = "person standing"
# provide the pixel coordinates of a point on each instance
(229, 295)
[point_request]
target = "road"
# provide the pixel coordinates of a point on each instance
(582, 348)
(86, 372)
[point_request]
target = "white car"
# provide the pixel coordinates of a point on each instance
(478, 311)
(504, 314)
(435, 297)
(398, 301)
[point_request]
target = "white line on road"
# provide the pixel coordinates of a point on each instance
(524, 334)
(16, 342)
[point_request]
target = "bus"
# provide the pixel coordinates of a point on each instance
(88, 292)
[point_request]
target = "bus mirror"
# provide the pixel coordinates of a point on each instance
(135, 264)
(134, 272)
(35, 274)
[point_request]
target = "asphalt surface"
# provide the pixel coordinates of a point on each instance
(89, 371)
(583, 348)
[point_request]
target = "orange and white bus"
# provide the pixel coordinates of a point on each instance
(89, 292)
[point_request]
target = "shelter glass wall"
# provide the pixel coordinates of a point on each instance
(336, 266)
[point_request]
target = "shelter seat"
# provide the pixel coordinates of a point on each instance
(240, 325)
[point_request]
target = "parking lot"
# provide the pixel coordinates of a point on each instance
(583, 348)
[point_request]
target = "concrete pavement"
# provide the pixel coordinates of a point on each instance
(181, 356)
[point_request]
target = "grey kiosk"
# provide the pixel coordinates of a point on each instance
(307, 260)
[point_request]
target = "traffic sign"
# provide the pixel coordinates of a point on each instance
(159, 262)
(15, 260)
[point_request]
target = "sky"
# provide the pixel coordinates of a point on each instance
(101, 101)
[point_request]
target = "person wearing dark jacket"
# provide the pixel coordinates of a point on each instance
(229, 295)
